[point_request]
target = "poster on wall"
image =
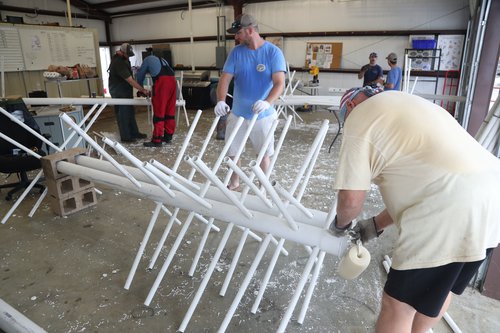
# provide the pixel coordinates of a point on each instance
(451, 51)
(323, 55)
(278, 41)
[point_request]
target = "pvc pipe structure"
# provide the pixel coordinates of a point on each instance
(202, 167)
(175, 184)
(206, 278)
(138, 163)
(94, 144)
(274, 196)
(245, 283)
(205, 144)
(89, 125)
(173, 174)
(190, 217)
(267, 276)
(169, 213)
(234, 262)
(85, 101)
(252, 202)
(142, 247)
(13, 321)
(298, 290)
(287, 196)
(22, 196)
(312, 285)
(230, 163)
(180, 155)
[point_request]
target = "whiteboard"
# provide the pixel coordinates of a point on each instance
(44, 47)
(11, 55)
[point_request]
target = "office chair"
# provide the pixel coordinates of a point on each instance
(12, 159)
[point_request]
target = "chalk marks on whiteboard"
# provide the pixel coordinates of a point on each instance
(43, 47)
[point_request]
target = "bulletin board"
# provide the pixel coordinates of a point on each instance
(323, 55)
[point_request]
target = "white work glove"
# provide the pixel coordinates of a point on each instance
(260, 106)
(367, 229)
(221, 109)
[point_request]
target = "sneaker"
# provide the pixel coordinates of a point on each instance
(167, 138)
(152, 144)
(141, 136)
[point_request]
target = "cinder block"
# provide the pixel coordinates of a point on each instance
(73, 203)
(49, 162)
(67, 186)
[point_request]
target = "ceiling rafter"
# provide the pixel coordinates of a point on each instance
(89, 9)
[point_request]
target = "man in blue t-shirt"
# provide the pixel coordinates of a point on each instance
(371, 73)
(258, 68)
(393, 81)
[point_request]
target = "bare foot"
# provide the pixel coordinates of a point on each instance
(233, 187)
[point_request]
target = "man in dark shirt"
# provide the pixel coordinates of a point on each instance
(371, 73)
(121, 84)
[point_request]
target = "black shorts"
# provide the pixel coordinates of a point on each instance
(426, 289)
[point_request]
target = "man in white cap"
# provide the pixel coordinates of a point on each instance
(441, 190)
(393, 80)
(258, 68)
(121, 84)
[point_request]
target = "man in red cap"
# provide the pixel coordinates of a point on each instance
(441, 190)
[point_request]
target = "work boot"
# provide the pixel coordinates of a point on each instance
(151, 144)
(167, 138)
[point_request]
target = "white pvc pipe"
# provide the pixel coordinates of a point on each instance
(205, 144)
(138, 164)
(173, 174)
(298, 291)
(245, 283)
(85, 101)
(201, 245)
(213, 193)
(312, 285)
(89, 125)
(189, 219)
(29, 129)
(187, 139)
(143, 243)
(163, 238)
(175, 184)
(169, 213)
(202, 167)
(206, 278)
(274, 196)
(22, 196)
(94, 144)
(267, 276)
(17, 144)
(285, 194)
(234, 262)
(2, 70)
(13, 321)
(230, 163)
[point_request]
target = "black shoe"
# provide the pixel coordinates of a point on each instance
(167, 138)
(141, 136)
(152, 144)
(127, 140)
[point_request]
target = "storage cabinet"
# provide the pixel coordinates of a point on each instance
(197, 94)
(47, 118)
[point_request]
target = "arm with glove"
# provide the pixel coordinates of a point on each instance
(221, 108)
(349, 205)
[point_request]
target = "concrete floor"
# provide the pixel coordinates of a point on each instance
(67, 274)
